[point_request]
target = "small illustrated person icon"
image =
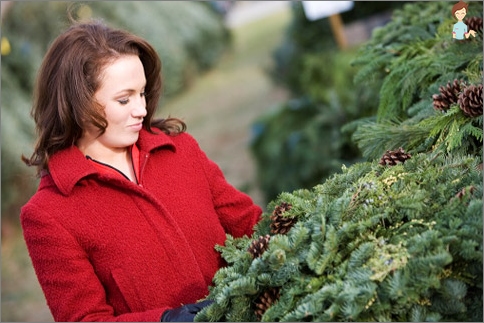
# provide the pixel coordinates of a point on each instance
(459, 11)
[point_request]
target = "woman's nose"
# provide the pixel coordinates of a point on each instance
(140, 109)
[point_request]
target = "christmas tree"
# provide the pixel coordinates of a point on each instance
(431, 85)
(377, 242)
(397, 238)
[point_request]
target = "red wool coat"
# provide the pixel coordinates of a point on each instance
(107, 249)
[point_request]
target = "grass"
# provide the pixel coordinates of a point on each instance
(219, 109)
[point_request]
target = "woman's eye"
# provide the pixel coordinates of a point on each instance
(143, 94)
(123, 102)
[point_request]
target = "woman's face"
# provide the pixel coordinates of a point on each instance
(460, 14)
(122, 95)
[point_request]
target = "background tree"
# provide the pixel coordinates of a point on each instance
(287, 144)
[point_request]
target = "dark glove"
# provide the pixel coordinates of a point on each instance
(185, 313)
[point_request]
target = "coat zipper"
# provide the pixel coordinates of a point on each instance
(109, 166)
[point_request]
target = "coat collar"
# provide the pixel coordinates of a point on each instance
(69, 166)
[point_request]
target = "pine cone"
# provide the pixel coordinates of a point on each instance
(470, 101)
(474, 23)
(281, 224)
(265, 301)
(449, 95)
(463, 192)
(257, 247)
(393, 157)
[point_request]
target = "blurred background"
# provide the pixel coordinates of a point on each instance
(263, 88)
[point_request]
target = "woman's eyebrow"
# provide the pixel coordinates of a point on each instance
(129, 90)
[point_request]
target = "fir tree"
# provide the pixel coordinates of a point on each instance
(423, 72)
(374, 243)
(395, 239)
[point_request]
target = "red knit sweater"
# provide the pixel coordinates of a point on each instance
(106, 249)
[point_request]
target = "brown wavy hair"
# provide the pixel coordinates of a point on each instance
(459, 6)
(70, 75)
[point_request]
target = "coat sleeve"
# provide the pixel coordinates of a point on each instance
(70, 285)
(236, 210)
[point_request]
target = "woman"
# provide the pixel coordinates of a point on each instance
(459, 11)
(129, 209)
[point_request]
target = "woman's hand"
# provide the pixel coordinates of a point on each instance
(185, 313)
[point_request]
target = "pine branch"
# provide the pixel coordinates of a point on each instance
(232, 251)
(374, 139)
(373, 67)
(452, 129)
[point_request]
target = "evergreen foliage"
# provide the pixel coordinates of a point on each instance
(373, 243)
(412, 57)
(287, 142)
(300, 143)
(395, 239)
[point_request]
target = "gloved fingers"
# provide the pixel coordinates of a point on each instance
(179, 314)
(197, 307)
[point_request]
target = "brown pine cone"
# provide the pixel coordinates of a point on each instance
(474, 23)
(465, 191)
(265, 301)
(393, 157)
(257, 247)
(470, 101)
(281, 224)
(449, 95)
